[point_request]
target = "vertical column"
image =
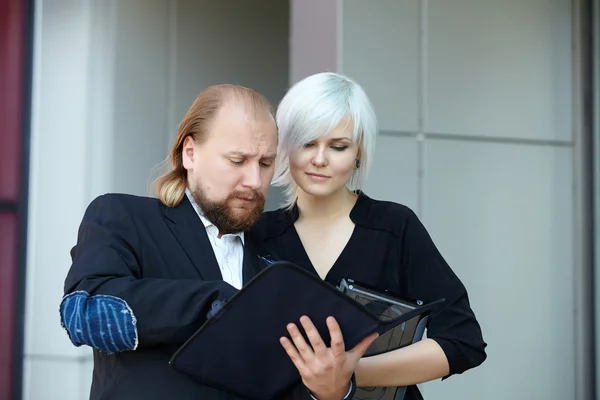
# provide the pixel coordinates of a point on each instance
(66, 142)
(583, 173)
(595, 15)
(13, 188)
(314, 37)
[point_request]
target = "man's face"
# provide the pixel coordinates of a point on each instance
(230, 172)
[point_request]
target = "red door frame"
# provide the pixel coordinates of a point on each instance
(16, 28)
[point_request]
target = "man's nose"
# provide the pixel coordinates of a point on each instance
(252, 177)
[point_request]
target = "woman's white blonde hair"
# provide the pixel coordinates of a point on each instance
(312, 108)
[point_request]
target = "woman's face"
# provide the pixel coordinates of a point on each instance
(325, 165)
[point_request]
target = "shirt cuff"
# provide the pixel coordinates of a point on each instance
(347, 396)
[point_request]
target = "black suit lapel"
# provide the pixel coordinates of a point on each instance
(251, 265)
(191, 234)
(256, 258)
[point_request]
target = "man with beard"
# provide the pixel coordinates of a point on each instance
(145, 271)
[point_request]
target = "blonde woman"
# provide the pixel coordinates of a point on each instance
(327, 131)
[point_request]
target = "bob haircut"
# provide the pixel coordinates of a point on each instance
(312, 108)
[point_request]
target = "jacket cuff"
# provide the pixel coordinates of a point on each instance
(456, 358)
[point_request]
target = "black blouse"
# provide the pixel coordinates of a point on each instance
(390, 249)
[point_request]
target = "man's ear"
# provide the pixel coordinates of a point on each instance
(187, 152)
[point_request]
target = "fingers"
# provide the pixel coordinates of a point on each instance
(293, 354)
(301, 345)
(313, 336)
(317, 346)
(338, 348)
(364, 345)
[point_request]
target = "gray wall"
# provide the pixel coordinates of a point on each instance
(112, 80)
(474, 101)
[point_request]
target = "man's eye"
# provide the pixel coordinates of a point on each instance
(236, 162)
(265, 165)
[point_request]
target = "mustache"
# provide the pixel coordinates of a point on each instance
(248, 195)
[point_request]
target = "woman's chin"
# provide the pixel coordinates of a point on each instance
(319, 190)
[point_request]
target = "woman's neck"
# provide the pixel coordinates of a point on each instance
(327, 208)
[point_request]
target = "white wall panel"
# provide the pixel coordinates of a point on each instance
(499, 68)
(394, 174)
(501, 214)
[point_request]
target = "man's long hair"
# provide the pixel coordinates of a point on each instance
(170, 187)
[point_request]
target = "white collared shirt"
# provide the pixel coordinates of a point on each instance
(229, 249)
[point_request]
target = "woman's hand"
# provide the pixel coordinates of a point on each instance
(326, 372)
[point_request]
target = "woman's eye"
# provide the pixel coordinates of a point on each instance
(236, 162)
(339, 148)
(309, 145)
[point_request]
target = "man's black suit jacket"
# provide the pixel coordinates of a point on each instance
(144, 276)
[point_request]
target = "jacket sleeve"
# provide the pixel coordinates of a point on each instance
(109, 305)
(426, 276)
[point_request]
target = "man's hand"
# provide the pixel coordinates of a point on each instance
(326, 372)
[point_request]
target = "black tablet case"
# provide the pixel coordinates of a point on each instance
(238, 350)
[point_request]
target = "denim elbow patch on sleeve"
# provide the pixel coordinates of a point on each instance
(102, 322)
